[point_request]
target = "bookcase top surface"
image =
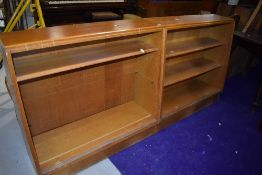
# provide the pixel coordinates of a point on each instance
(187, 21)
(26, 40)
(20, 41)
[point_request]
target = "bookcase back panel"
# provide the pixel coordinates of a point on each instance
(48, 61)
(148, 83)
(63, 84)
(216, 32)
(214, 78)
(57, 100)
(188, 93)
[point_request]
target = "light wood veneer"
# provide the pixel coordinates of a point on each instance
(83, 92)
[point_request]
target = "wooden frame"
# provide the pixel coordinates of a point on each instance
(192, 63)
(111, 84)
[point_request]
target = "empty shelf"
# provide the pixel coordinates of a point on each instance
(85, 136)
(189, 46)
(38, 65)
(185, 94)
(181, 71)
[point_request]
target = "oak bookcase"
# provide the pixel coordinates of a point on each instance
(196, 61)
(83, 92)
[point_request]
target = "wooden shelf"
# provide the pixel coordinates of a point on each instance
(34, 66)
(185, 94)
(87, 135)
(177, 72)
(189, 46)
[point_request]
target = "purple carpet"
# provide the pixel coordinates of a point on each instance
(222, 139)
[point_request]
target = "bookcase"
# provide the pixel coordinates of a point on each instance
(196, 60)
(83, 92)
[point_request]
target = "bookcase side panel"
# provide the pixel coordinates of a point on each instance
(14, 92)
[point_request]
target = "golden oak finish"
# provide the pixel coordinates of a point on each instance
(70, 34)
(83, 92)
(79, 77)
(184, 70)
(18, 106)
(188, 46)
(86, 135)
(38, 65)
(102, 153)
(172, 118)
(61, 35)
(190, 21)
(55, 101)
(192, 57)
(185, 94)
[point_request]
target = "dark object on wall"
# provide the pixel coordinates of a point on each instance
(257, 100)
(260, 126)
(253, 43)
(59, 12)
(241, 58)
(210, 5)
(8, 8)
(147, 8)
(251, 40)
